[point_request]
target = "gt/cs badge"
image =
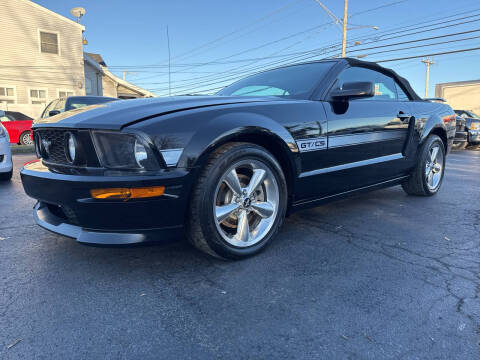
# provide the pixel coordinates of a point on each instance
(312, 144)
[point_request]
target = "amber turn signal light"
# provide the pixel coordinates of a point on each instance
(128, 193)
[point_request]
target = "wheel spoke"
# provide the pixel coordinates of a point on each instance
(223, 212)
(243, 229)
(433, 154)
(264, 209)
(232, 182)
(430, 178)
(257, 178)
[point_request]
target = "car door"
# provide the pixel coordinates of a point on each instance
(366, 136)
(9, 124)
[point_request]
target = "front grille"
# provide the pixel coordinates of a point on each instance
(460, 125)
(1, 158)
(52, 143)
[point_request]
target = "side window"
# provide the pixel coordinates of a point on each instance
(402, 96)
(384, 85)
(60, 106)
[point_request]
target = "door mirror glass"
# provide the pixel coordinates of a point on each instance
(53, 112)
(354, 90)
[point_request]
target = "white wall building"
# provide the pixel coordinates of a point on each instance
(41, 56)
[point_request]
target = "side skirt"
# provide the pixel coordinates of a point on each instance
(326, 199)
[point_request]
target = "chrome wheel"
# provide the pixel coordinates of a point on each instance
(26, 140)
(434, 167)
(246, 203)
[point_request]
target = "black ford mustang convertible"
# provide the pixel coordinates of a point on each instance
(226, 169)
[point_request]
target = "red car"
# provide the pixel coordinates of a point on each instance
(18, 126)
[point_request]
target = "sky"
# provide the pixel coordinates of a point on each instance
(214, 42)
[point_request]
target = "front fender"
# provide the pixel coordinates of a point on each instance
(228, 127)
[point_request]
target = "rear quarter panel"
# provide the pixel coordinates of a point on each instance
(431, 117)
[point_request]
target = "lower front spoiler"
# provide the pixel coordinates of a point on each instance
(49, 221)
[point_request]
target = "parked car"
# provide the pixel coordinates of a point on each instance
(461, 134)
(472, 126)
(6, 165)
(60, 105)
(18, 126)
(228, 168)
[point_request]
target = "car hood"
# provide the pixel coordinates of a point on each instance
(118, 114)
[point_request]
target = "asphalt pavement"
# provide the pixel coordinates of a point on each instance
(378, 276)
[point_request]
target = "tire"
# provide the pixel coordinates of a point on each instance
(25, 138)
(459, 145)
(420, 183)
(231, 224)
(6, 176)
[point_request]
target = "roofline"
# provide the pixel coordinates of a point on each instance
(127, 84)
(44, 9)
(93, 63)
(456, 83)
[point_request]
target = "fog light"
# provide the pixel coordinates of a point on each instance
(128, 193)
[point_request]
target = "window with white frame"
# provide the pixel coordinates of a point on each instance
(64, 93)
(38, 96)
(48, 42)
(7, 94)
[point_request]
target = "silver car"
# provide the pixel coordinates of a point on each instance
(6, 165)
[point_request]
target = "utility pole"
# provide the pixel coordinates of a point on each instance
(169, 66)
(343, 29)
(344, 38)
(427, 62)
(125, 73)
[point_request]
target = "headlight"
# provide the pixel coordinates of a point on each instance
(140, 153)
(3, 133)
(70, 147)
(475, 126)
(117, 150)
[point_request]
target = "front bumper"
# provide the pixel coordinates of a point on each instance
(66, 207)
(460, 136)
(473, 136)
(5, 156)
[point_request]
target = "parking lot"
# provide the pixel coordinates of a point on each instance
(381, 275)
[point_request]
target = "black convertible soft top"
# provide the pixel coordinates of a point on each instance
(374, 66)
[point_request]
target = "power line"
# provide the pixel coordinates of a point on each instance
(259, 20)
(315, 53)
(426, 55)
(373, 39)
(385, 60)
(222, 78)
(363, 49)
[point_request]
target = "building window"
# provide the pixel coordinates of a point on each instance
(38, 96)
(48, 42)
(64, 93)
(7, 95)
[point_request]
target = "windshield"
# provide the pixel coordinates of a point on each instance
(293, 81)
(467, 113)
(79, 102)
(472, 114)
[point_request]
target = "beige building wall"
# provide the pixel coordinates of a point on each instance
(461, 95)
(109, 87)
(22, 64)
